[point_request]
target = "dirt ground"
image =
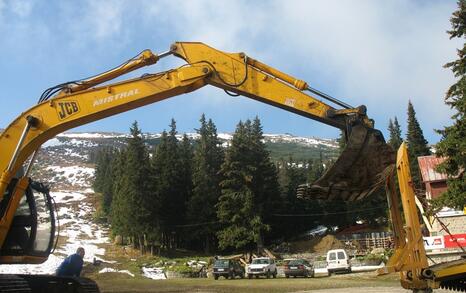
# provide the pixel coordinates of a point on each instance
(366, 290)
(347, 283)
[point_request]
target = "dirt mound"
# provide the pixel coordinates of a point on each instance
(328, 242)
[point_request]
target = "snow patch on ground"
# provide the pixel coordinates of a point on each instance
(70, 171)
(353, 269)
(110, 270)
(72, 175)
(48, 267)
(81, 232)
(154, 273)
(72, 142)
(77, 227)
(72, 153)
(54, 142)
(64, 197)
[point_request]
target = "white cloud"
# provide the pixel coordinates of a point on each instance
(21, 8)
(376, 53)
(227, 25)
(105, 18)
(93, 24)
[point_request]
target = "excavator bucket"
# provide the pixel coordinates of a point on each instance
(361, 168)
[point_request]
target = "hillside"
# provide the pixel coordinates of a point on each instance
(279, 145)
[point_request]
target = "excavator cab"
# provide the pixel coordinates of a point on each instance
(27, 234)
(31, 236)
(30, 240)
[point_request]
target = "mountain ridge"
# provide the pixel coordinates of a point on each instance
(280, 146)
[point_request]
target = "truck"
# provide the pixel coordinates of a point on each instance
(338, 261)
(262, 266)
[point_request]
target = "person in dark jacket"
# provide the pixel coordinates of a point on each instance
(72, 265)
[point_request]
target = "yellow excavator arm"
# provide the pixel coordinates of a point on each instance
(79, 102)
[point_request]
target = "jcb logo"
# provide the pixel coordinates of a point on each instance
(67, 108)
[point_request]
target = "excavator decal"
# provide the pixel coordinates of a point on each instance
(115, 97)
(290, 102)
(67, 108)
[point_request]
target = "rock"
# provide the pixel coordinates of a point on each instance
(378, 251)
(96, 262)
(118, 240)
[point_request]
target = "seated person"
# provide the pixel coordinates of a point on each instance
(72, 265)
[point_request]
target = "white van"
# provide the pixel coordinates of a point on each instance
(338, 261)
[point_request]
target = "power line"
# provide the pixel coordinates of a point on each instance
(195, 225)
(325, 214)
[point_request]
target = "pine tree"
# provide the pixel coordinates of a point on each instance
(453, 143)
(120, 203)
(342, 141)
(208, 157)
(104, 179)
(100, 167)
(171, 185)
(417, 144)
(394, 130)
(132, 192)
(186, 162)
(249, 189)
(316, 168)
(235, 203)
(266, 187)
(296, 173)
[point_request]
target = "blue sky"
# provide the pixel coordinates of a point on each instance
(377, 53)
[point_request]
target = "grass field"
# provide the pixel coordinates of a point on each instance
(122, 284)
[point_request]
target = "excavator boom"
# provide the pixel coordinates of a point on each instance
(355, 174)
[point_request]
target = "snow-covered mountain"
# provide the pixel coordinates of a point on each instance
(88, 137)
(66, 161)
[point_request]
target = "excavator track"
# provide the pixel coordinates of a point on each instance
(361, 168)
(46, 284)
(13, 283)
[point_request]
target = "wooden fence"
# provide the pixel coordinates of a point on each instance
(367, 241)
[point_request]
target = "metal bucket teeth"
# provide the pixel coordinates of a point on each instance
(454, 285)
(360, 170)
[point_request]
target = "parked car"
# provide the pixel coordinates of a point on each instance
(299, 267)
(338, 261)
(262, 266)
(227, 268)
(317, 231)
